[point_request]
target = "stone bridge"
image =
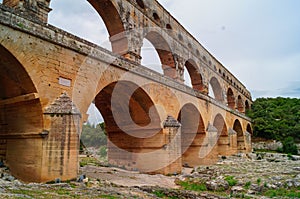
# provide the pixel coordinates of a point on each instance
(155, 123)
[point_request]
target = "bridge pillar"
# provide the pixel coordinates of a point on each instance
(160, 153)
(232, 141)
(211, 151)
(38, 9)
(179, 66)
(172, 132)
(224, 145)
(61, 145)
(248, 145)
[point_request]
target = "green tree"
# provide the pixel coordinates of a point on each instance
(289, 146)
(93, 136)
(276, 118)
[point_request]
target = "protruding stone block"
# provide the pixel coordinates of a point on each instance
(60, 150)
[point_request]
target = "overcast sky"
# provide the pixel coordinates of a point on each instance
(257, 40)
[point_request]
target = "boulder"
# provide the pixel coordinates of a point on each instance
(217, 185)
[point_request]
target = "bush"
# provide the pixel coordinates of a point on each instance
(102, 152)
(289, 146)
(258, 181)
(247, 185)
(231, 181)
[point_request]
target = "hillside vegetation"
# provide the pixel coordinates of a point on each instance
(276, 118)
(93, 136)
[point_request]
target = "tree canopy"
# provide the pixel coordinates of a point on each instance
(276, 118)
(93, 136)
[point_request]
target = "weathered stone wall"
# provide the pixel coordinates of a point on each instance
(57, 62)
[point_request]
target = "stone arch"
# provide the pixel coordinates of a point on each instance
(230, 98)
(237, 127)
(240, 104)
(222, 145)
(114, 25)
(195, 75)
(247, 105)
(21, 114)
(216, 89)
(133, 126)
(106, 10)
(192, 134)
(164, 52)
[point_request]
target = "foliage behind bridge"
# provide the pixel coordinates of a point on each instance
(276, 118)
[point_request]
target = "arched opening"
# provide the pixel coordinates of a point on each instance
(164, 52)
(156, 17)
(222, 135)
(93, 140)
(249, 129)
(192, 134)
(240, 104)
(230, 99)
(216, 90)
(150, 57)
(141, 3)
(187, 79)
(169, 27)
(220, 124)
(195, 76)
(93, 22)
(237, 127)
(21, 115)
(106, 9)
(247, 106)
(132, 123)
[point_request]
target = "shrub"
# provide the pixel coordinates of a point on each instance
(258, 181)
(247, 185)
(289, 146)
(102, 152)
(231, 181)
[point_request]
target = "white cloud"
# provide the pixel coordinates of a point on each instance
(258, 41)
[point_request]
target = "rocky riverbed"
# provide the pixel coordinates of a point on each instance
(256, 175)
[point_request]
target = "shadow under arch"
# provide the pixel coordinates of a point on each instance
(20, 114)
(164, 52)
(195, 75)
(247, 106)
(249, 129)
(192, 134)
(223, 143)
(217, 89)
(230, 99)
(129, 133)
(237, 127)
